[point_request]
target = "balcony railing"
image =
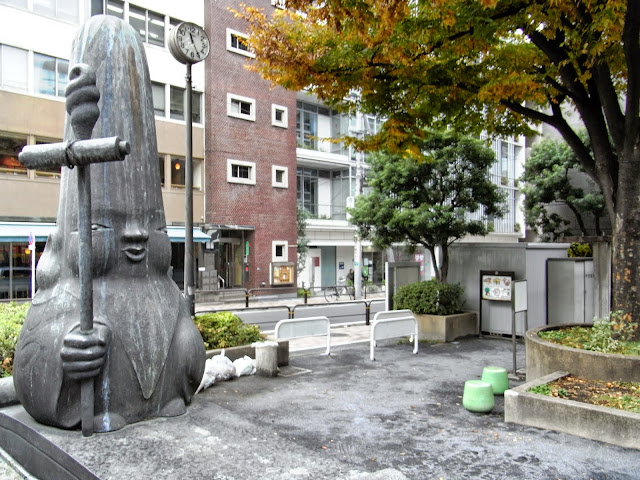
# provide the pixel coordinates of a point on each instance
(325, 211)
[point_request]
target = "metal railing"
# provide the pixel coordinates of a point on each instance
(291, 309)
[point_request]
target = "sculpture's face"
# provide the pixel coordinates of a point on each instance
(124, 245)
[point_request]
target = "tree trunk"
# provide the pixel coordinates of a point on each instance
(434, 262)
(444, 266)
(576, 213)
(626, 243)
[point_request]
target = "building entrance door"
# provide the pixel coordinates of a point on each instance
(230, 262)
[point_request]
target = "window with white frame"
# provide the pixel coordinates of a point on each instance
(278, 4)
(50, 74)
(149, 25)
(237, 43)
(279, 176)
(279, 251)
(178, 170)
(176, 102)
(62, 9)
(239, 171)
(241, 107)
(279, 116)
(13, 68)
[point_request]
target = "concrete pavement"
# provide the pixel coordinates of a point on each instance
(345, 417)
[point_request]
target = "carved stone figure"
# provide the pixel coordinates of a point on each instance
(145, 354)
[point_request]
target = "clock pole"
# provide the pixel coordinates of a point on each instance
(188, 234)
(189, 44)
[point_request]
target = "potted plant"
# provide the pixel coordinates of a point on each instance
(438, 308)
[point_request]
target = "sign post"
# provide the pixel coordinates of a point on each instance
(519, 305)
(32, 249)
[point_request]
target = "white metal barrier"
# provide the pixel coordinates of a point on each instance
(393, 324)
(304, 327)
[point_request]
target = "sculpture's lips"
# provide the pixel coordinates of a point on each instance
(135, 254)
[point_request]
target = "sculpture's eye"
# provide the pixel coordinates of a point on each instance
(162, 229)
(97, 226)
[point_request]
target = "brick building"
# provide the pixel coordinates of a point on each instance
(250, 173)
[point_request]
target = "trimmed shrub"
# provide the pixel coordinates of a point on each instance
(430, 297)
(225, 330)
(11, 319)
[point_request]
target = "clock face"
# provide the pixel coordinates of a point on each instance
(190, 43)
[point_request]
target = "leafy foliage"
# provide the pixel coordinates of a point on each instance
(580, 250)
(427, 201)
(430, 297)
(472, 65)
(224, 330)
(12, 317)
(303, 244)
(611, 335)
(549, 179)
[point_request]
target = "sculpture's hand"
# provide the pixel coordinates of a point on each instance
(83, 354)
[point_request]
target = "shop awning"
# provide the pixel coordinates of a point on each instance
(176, 234)
(20, 231)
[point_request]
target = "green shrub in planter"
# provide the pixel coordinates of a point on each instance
(225, 330)
(430, 297)
(11, 319)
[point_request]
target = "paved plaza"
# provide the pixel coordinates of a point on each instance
(344, 416)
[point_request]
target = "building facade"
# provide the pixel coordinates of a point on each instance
(35, 44)
(251, 164)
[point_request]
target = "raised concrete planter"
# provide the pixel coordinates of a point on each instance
(543, 358)
(446, 328)
(234, 353)
(604, 424)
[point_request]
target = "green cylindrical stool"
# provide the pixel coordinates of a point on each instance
(497, 377)
(478, 396)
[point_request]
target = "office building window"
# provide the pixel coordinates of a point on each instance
(241, 172)
(279, 116)
(161, 169)
(307, 125)
(50, 74)
(178, 172)
(51, 172)
(241, 107)
(308, 189)
(115, 8)
(176, 104)
(237, 43)
(150, 25)
(15, 3)
(279, 176)
(13, 68)
(159, 102)
(10, 147)
(61, 9)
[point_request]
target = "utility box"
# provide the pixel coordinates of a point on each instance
(570, 290)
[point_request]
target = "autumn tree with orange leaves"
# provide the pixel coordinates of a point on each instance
(471, 65)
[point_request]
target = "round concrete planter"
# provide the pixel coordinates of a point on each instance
(544, 358)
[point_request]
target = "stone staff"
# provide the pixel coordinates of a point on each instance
(82, 97)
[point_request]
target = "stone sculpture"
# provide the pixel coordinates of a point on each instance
(145, 355)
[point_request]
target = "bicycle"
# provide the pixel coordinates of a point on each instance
(333, 294)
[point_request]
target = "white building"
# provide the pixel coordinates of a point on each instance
(35, 45)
